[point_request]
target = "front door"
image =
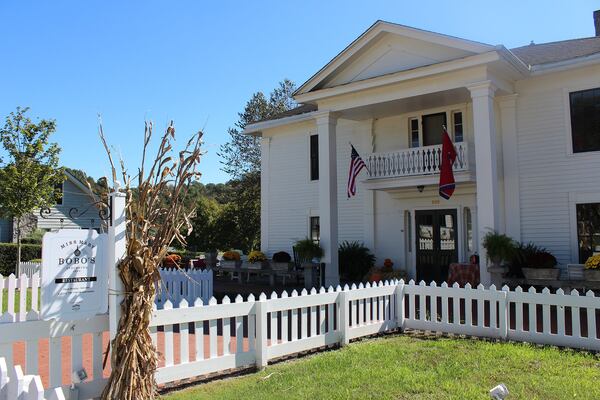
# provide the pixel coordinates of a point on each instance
(437, 245)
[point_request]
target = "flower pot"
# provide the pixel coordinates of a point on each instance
(376, 277)
(230, 264)
(541, 273)
(591, 274)
(280, 266)
(254, 265)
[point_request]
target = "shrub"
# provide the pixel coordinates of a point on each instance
(355, 260)
(529, 255)
(593, 262)
(308, 250)
(231, 256)
(499, 247)
(34, 237)
(256, 256)
(8, 256)
(282, 257)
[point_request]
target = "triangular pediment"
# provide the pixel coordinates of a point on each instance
(387, 48)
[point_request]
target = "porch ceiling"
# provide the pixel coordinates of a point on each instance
(410, 104)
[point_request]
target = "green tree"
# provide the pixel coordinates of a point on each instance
(202, 237)
(241, 159)
(29, 174)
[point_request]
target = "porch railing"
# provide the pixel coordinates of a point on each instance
(424, 160)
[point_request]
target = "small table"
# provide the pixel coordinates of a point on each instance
(463, 273)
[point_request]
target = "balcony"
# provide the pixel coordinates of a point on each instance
(414, 162)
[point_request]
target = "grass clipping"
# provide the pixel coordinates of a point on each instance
(156, 217)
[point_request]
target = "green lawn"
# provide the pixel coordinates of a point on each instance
(17, 297)
(408, 367)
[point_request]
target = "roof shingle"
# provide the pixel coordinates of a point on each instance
(544, 53)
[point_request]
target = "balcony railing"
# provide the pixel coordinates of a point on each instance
(416, 161)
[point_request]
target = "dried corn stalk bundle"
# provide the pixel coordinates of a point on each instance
(156, 217)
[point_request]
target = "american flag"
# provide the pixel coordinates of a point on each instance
(356, 165)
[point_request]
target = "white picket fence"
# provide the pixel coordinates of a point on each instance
(178, 284)
(15, 288)
(175, 286)
(29, 268)
(256, 331)
(194, 340)
(15, 385)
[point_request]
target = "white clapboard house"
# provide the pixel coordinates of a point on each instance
(524, 121)
(74, 210)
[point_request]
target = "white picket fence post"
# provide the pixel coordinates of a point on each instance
(19, 286)
(117, 242)
(344, 317)
(14, 385)
(261, 331)
(399, 292)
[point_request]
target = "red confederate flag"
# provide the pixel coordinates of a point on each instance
(446, 174)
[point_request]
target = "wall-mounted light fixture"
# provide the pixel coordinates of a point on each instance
(420, 188)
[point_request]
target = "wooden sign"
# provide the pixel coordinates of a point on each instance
(74, 274)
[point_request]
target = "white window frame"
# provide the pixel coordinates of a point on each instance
(574, 199)
(462, 108)
(568, 131)
(309, 175)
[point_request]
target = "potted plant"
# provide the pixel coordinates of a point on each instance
(231, 259)
(210, 257)
(281, 261)
(309, 254)
(539, 264)
(355, 259)
(256, 259)
(308, 251)
(499, 249)
(172, 261)
(592, 268)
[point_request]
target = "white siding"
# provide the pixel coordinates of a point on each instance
(73, 197)
(351, 211)
(292, 197)
(547, 172)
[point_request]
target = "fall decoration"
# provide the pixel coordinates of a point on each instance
(156, 217)
(231, 256)
(256, 256)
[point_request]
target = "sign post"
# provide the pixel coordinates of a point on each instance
(74, 274)
(117, 246)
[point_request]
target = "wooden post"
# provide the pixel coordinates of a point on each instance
(116, 251)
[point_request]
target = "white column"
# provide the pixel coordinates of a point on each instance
(117, 243)
(369, 195)
(328, 202)
(512, 204)
(265, 154)
(488, 202)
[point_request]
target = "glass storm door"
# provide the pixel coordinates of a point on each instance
(437, 247)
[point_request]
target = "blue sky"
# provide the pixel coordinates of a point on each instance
(198, 62)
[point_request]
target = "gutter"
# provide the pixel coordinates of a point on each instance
(257, 128)
(564, 65)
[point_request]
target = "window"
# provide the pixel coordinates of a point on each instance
(588, 230)
(314, 157)
(457, 120)
(468, 231)
(432, 128)
(315, 229)
(585, 120)
(408, 230)
(58, 193)
(414, 132)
